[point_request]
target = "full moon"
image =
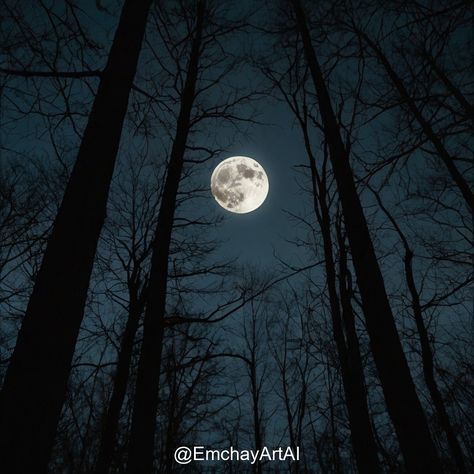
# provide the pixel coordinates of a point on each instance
(239, 184)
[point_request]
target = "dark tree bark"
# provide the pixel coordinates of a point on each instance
(171, 430)
(399, 390)
(295, 373)
(109, 431)
(35, 383)
(362, 439)
(351, 370)
(426, 352)
(356, 396)
(141, 448)
(335, 455)
(435, 140)
(255, 390)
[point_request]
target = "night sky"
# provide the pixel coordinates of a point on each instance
(313, 356)
(254, 237)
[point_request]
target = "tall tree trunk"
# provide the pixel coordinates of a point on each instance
(426, 352)
(400, 394)
(363, 443)
(351, 369)
(428, 368)
(257, 429)
(447, 159)
(356, 392)
(172, 428)
(335, 456)
(36, 379)
(109, 432)
(142, 434)
(289, 417)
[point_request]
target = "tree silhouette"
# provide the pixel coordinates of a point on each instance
(399, 390)
(35, 382)
(141, 318)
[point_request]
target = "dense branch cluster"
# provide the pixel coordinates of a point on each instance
(126, 332)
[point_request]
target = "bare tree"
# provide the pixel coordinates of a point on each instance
(424, 340)
(290, 341)
(146, 392)
(361, 356)
(292, 86)
(35, 382)
(424, 123)
(202, 33)
(402, 401)
(134, 203)
(256, 371)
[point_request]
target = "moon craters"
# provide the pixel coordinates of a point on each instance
(223, 176)
(239, 184)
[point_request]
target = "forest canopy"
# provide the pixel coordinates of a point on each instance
(137, 316)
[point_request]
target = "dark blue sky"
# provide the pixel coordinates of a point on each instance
(253, 237)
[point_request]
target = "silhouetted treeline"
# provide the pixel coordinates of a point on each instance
(126, 332)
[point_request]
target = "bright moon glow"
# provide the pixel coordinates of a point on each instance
(239, 184)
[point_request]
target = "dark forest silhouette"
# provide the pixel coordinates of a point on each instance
(126, 333)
